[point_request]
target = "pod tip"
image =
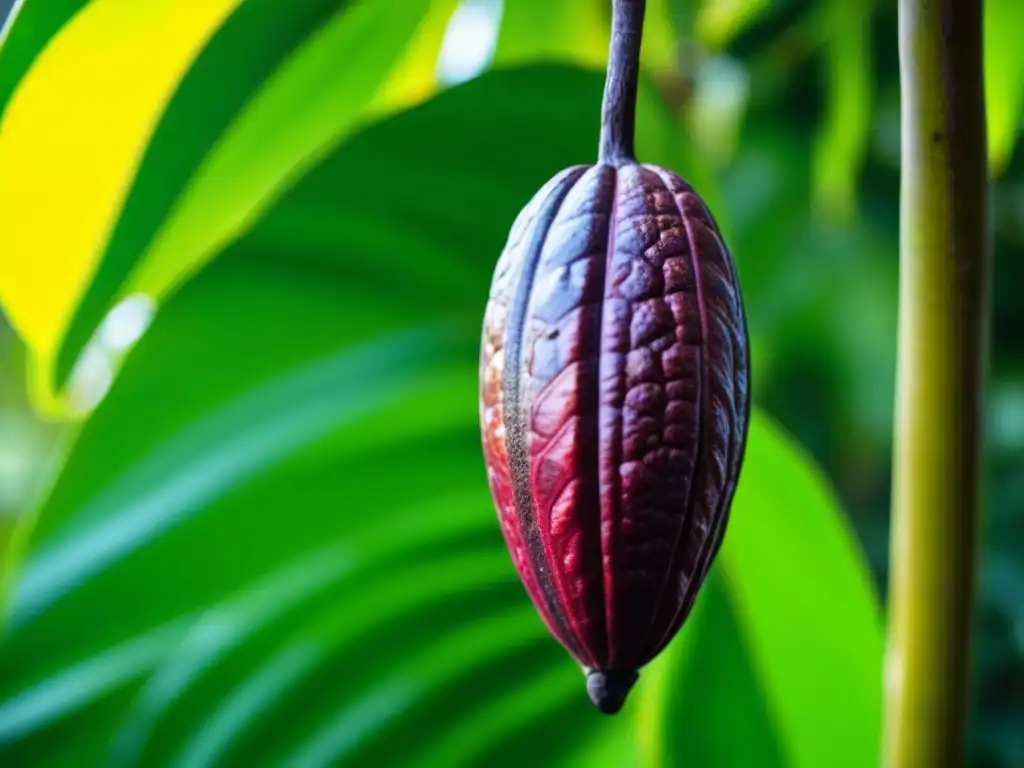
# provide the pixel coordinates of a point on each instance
(608, 688)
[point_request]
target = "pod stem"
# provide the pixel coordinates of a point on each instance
(945, 274)
(618, 111)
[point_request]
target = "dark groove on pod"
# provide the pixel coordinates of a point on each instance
(608, 588)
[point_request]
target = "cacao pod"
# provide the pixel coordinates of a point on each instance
(614, 397)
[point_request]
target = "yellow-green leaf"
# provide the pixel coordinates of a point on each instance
(1004, 78)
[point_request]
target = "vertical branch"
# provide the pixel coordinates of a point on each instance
(618, 112)
(942, 361)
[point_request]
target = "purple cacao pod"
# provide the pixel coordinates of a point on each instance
(614, 396)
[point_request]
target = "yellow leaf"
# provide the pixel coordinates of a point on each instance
(71, 141)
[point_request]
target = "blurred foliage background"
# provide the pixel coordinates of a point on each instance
(244, 251)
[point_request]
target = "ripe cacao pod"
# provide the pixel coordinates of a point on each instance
(614, 396)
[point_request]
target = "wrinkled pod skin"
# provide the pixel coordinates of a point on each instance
(614, 409)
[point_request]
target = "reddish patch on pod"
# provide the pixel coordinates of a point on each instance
(614, 409)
